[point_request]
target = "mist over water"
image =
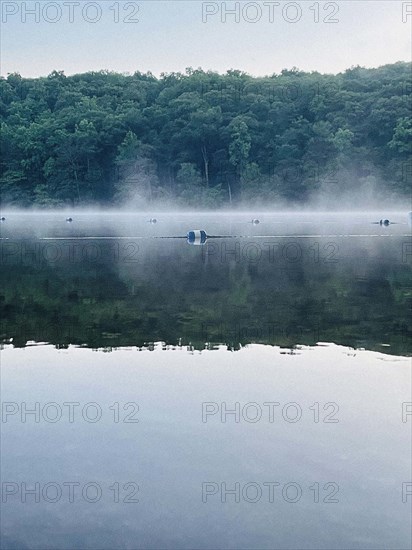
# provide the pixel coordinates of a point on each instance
(179, 350)
(336, 192)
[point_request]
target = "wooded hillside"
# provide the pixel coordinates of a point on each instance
(202, 138)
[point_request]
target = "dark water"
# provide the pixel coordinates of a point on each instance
(296, 280)
(256, 393)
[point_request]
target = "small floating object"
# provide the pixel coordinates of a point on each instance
(2, 219)
(152, 220)
(196, 237)
(383, 222)
(69, 220)
(255, 221)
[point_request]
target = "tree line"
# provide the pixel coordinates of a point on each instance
(203, 138)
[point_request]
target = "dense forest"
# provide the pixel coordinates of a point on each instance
(205, 139)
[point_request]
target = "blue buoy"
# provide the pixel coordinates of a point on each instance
(384, 222)
(69, 220)
(152, 220)
(255, 221)
(196, 237)
(3, 219)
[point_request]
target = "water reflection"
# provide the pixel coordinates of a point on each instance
(278, 290)
(291, 442)
(165, 449)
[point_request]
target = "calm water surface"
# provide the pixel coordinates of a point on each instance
(250, 393)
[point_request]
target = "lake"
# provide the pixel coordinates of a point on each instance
(251, 392)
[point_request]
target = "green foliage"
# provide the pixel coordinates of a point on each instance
(240, 144)
(203, 138)
(128, 149)
(402, 137)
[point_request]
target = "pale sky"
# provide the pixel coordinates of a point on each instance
(165, 36)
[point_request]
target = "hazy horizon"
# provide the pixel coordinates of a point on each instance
(154, 36)
(159, 75)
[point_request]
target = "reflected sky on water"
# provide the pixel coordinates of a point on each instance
(248, 393)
